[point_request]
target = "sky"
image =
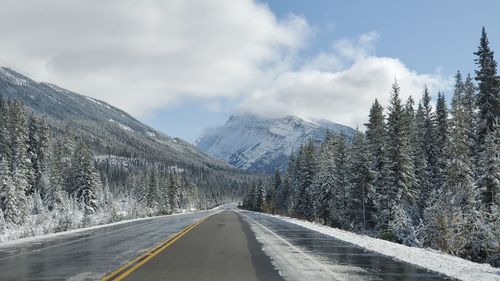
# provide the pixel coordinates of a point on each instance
(183, 66)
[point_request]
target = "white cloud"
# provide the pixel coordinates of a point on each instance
(144, 55)
(148, 55)
(340, 85)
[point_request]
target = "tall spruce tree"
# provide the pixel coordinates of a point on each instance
(84, 179)
(306, 171)
(488, 99)
(361, 192)
(324, 180)
(153, 190)
(375, 135)
(423, 171)
(441, 141)
(394, 222)
(338, 211)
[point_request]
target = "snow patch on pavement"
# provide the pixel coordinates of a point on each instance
(423, 257)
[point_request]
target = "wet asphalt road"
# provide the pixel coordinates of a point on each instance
(223, 247)
(361, 264)
(87, 255)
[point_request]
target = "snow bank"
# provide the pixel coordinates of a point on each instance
(425, 258)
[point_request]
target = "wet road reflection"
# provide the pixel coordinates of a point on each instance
(371, 265)
(89, 254)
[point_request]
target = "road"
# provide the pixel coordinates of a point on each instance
(87, 255)
(227, 245)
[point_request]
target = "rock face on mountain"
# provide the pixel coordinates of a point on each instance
(263, 144)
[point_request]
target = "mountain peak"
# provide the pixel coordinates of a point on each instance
(263, 144)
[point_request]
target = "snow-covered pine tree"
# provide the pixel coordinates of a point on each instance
(153, 192)
(20, 162)
(470, 110)
(457, 203)
(338, 204)
(14, 203)
(324, 180)
(441, 141)
(410, 128)
(361, 192)
(488, 98)
(38, 145)
(489, 172)
(375, 135)
(284, 196)
(84, 179)
(393, 222)
(420, 161)
(5, 139)
(248, 201)
(258, 197)
(271, 194)
(306, 170)
(173, 192)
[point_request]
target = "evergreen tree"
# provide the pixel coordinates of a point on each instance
(38, 145)
(306, 169)
(20, 162)
(14, 203)
(271, 194)
(361, 192)
(441, 142)
(489, 172)
(488, 99)
(394, 215)
(470, 111)
(324, 180)
(258, 197)
(84, 178)
(423, 173)
(338, 204)
(5, 139)
(153, 193)
(173, 192)
(375, 135)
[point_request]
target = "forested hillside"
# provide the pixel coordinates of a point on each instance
(418, 176)
(68, 161)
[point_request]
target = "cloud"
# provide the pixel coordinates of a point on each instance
(340, 85)
(146, 55)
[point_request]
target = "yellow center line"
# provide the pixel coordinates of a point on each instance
(131, 266)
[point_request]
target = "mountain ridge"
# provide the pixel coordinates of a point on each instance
(63, 105)
(261, 144)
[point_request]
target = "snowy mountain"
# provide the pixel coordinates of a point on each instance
(263, 144)
(109, 129)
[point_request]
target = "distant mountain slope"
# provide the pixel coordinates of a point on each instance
(109, 129)
(261, 144)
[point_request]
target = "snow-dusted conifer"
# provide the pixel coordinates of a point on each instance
(361, 192)
(84, 179)
(488, 99)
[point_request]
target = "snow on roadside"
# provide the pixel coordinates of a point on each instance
(77, 230)
(423, 257)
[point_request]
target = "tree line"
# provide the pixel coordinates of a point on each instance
(417, 176)
(51, 181)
